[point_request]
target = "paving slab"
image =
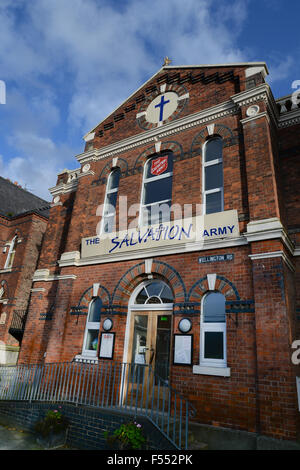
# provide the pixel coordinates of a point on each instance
(16, 439)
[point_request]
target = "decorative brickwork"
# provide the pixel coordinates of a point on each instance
(88, 295)
(122, 164)
(136, 275)
(222, 285)
(172, 146)
(217, 130)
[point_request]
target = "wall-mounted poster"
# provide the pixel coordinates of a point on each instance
(107, 341)
(183, 347)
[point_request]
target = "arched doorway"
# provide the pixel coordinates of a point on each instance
(149, 333)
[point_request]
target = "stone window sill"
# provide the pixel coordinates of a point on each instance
(86, 359)
(208, 370)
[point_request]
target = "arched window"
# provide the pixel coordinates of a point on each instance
(157, 190)
(11, 253)
(213, 191)
(90, 343)
(155, 292)
(1, 291)
(213, 330)
(110, 202)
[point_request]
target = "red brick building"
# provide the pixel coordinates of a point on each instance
(214, 139)
(23, 221)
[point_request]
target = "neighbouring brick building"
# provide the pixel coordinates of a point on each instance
(215, 139)
(23, 221)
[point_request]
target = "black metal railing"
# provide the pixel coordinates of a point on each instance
(130, 388)
(17, 325)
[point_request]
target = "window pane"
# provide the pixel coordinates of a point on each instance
(155, 288)
(139, 339)
(214, 176)
(156, 213)
(142, 297)
(162, 348)
(95, 310)
(92, 340)
(158, 190)
(213, 202)
(166, 295)
(108, 224)
(159, 165)
(146, 215)
(155, 292)
(114, 179)
(10, 259)
(213, 149)
(214, 308)
(213, 346)
(153, 300)
(110, 203)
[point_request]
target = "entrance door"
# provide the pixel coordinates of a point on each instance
(149, 354)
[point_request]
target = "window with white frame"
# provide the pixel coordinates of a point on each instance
(212, 183)
(11, 253)
(154, 292)
(213, 330)
(157, 190)
(110, 201)
(90, 342)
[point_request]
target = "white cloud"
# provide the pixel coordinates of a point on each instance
(108, 52)
(69, 63)
(280, 68)
(37, 163)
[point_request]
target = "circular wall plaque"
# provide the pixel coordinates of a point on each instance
(86, 168)
(185, 325)
(107, 324)
(162, 106)
(253, 110)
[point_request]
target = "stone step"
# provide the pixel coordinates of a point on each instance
(194, 443)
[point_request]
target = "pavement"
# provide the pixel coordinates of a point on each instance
(12, 438)
(16, 439)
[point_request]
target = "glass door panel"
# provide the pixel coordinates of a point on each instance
(139, 347)
(163, 346)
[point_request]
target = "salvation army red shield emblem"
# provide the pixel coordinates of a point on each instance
(159, 165)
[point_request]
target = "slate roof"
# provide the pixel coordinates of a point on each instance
(15, 200)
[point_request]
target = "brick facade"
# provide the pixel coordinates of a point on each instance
(27, 229)
(260, 151)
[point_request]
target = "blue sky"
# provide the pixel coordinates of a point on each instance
(68, 63)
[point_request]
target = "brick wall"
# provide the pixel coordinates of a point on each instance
(30, 229)
(87, 424)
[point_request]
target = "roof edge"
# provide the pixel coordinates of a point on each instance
(231, 64)
(22, 214)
